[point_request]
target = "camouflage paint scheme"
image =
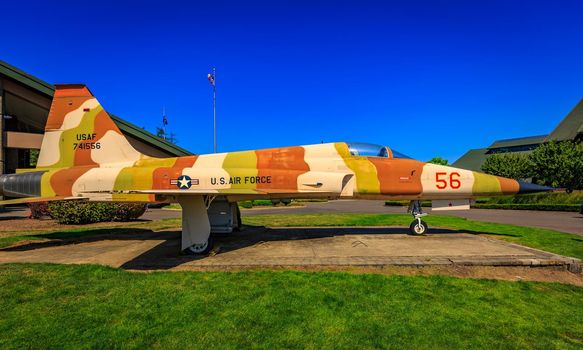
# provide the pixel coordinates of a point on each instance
(85, 155)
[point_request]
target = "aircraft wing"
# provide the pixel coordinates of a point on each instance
(234, 191)
(38, 199)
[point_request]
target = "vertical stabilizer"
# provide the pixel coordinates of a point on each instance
(79, 132)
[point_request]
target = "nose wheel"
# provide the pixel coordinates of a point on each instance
(418, 227)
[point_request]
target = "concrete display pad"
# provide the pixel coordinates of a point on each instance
(280, 247)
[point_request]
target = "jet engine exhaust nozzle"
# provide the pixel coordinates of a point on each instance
(21, 185)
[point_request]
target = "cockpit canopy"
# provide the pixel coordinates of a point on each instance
(372, 150)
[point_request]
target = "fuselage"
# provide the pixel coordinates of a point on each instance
(321, 170)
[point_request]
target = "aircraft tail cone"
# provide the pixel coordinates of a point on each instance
(526, 187)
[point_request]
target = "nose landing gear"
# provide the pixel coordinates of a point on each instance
(418, 226)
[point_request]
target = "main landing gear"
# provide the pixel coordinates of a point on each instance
(418, 226)
(200, 248)
(196, 228)
(203, 214)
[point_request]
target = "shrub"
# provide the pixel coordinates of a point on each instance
(39, 210)
(405, 203)
(513, 206)
(128, 211)
(246, 204)
(537, 198)
(77, 212)
(263, 202)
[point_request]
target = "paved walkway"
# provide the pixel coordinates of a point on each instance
(303, 247)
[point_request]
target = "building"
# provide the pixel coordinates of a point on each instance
(24, 106)
(570, 128)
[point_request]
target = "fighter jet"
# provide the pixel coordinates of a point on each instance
(84, 156)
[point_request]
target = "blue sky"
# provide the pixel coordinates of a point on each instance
(428, 78)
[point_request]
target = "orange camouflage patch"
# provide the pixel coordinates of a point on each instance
(62, 181)
(163, 176)
(284, 165)
(508, 186)
(398, 176)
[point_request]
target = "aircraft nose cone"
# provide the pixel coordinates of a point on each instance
(526, 187)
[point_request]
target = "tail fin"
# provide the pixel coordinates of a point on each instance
(79, 132)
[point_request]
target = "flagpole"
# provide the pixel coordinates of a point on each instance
(164, 122)
(215, 111)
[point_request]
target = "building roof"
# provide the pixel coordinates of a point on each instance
(519, 141)
(472, 159)
(126, 127)
(570, 126)
(26, 79)
(139, 133)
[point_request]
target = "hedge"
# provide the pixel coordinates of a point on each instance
(405, 203)
(481, 204)
(264, 203)
(80, 212)
(543, 207)
(39, 210)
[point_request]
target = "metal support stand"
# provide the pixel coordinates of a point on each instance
(208, 200)
(196, 228)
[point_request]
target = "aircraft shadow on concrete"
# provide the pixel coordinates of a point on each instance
(166, 254)
(11, 217)
(88, 236)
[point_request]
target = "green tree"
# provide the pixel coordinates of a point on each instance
(510, 165)
(168, 137)
(438, 160)
(559, 164)
(33, 157)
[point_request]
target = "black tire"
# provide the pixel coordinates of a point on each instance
(417, 229)
(198, 252)
(238, 214)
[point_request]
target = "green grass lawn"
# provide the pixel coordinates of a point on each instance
(556, 242)
(85, 306)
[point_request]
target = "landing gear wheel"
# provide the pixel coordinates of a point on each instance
(238, 225)
(200, 249)
(418, 227)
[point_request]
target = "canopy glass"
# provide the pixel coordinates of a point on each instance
(372, 150)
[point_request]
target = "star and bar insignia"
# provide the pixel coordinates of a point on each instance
(184, 182)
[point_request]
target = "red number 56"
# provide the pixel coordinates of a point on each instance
(441, 180)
